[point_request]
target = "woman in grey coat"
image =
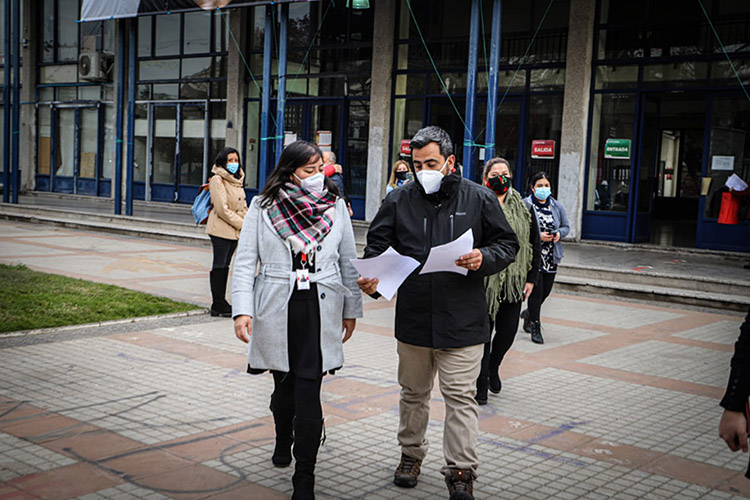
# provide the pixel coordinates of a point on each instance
(300, 305)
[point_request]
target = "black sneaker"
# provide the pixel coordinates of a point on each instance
(526, 322)
(460, 484)
(536, 332)
(407, 472)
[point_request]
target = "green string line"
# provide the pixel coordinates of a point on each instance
(244, 61)
(434, 66)
(726, 54)
(272, 138)
(312, 43)
(523, 59)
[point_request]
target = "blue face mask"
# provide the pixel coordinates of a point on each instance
(233, 167)
(542, 193)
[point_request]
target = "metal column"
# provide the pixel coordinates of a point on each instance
(121, 26)
(265, 106)
(281, 99)
(131, 120)
(16, 106)
(6, 106)
(471, 94)
(494, 79)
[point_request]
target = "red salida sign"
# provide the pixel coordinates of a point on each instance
(406, 147)
(542, 150)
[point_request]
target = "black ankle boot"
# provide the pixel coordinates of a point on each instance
(495, 383)
(307, 434)
(536, 332)
(526, 322)
(220, 306)
(283, 419)
(481, 397)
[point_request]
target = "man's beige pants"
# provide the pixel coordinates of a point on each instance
(457, 371)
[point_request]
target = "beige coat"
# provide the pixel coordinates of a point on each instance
(228, 205)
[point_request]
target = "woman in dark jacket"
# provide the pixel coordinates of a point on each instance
(553, 226)
(507, 289)
(733, 425)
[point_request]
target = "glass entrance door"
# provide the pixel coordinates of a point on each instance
(70, 148)
(177, 161)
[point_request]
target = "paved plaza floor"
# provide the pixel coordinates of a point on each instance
(620, 402)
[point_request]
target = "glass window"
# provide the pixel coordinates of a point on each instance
(2, 32)
(67, 30)
(722, 73)
(141, 142)
(191, 145)
(547, 79)
(218, 129)
(729, 149)
(221, 34)
(44, 142)
(356, 147)
(258, 26)
(407, 119)
(167, 35)
(410, 84)
(165, 91)
(144, 36)
(197, 33)
(677, 74)
(196, 67)
(90, 92)
(89, 142)
(66, 129)
(608, 77)
(545, 123)
(108, 157)
(613, 117)
(252, 144)
(162, 69)
(67, 73)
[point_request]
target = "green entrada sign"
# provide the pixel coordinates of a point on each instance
(617, 149)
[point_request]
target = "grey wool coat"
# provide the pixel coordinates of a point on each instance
(264, 295)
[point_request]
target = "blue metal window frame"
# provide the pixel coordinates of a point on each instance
(640, 92)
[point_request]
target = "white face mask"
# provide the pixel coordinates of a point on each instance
(431, 179)
(314, 184)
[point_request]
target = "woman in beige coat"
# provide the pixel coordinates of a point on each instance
(228, 210)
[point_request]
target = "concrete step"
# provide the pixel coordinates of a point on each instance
(118, 224)
(648, 292)
(707, 284)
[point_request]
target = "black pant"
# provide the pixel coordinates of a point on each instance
(542, 289)
(223, 251)
(300, 394)
(505, 325)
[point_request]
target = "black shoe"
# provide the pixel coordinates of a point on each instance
(536, 332)
(481, 399)
(220, 306)
(495, 383)
(283, 419)
(407, 472)
(307, 434)
(747, 266)
(460, 484)
(526, 322)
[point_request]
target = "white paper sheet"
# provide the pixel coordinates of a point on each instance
(390, 268)
(735, 182)
(443, 258)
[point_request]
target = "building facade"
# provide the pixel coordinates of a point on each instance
(638, 110)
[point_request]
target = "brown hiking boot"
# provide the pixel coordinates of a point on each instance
(407, 472)
(460, 484)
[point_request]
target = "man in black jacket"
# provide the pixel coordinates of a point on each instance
(733, 425)
(441, 318)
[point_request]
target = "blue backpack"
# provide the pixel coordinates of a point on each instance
(202, 205)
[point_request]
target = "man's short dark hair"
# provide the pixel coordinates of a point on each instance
(433, 134)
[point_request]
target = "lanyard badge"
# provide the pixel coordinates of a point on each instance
(303, 279)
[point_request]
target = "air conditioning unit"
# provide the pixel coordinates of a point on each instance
(93, 66)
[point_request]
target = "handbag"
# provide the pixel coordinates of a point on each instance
(202, 205)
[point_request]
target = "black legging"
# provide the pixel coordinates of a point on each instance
(223, 251)
(301, 394)
(542, 289)
(505, 325)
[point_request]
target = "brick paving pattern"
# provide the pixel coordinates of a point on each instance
(620, 402)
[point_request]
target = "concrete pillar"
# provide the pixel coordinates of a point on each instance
(575, 112)
(380, 105)
(27, 129)
(236, 73)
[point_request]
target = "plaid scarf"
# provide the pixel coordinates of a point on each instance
(301, 217)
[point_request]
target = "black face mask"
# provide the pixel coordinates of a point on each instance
(499, 184)
(401, 175)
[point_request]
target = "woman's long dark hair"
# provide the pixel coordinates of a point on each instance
(295, 155)
(537, 176)
(221, 161)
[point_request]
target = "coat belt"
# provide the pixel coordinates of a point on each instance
(327, 277)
